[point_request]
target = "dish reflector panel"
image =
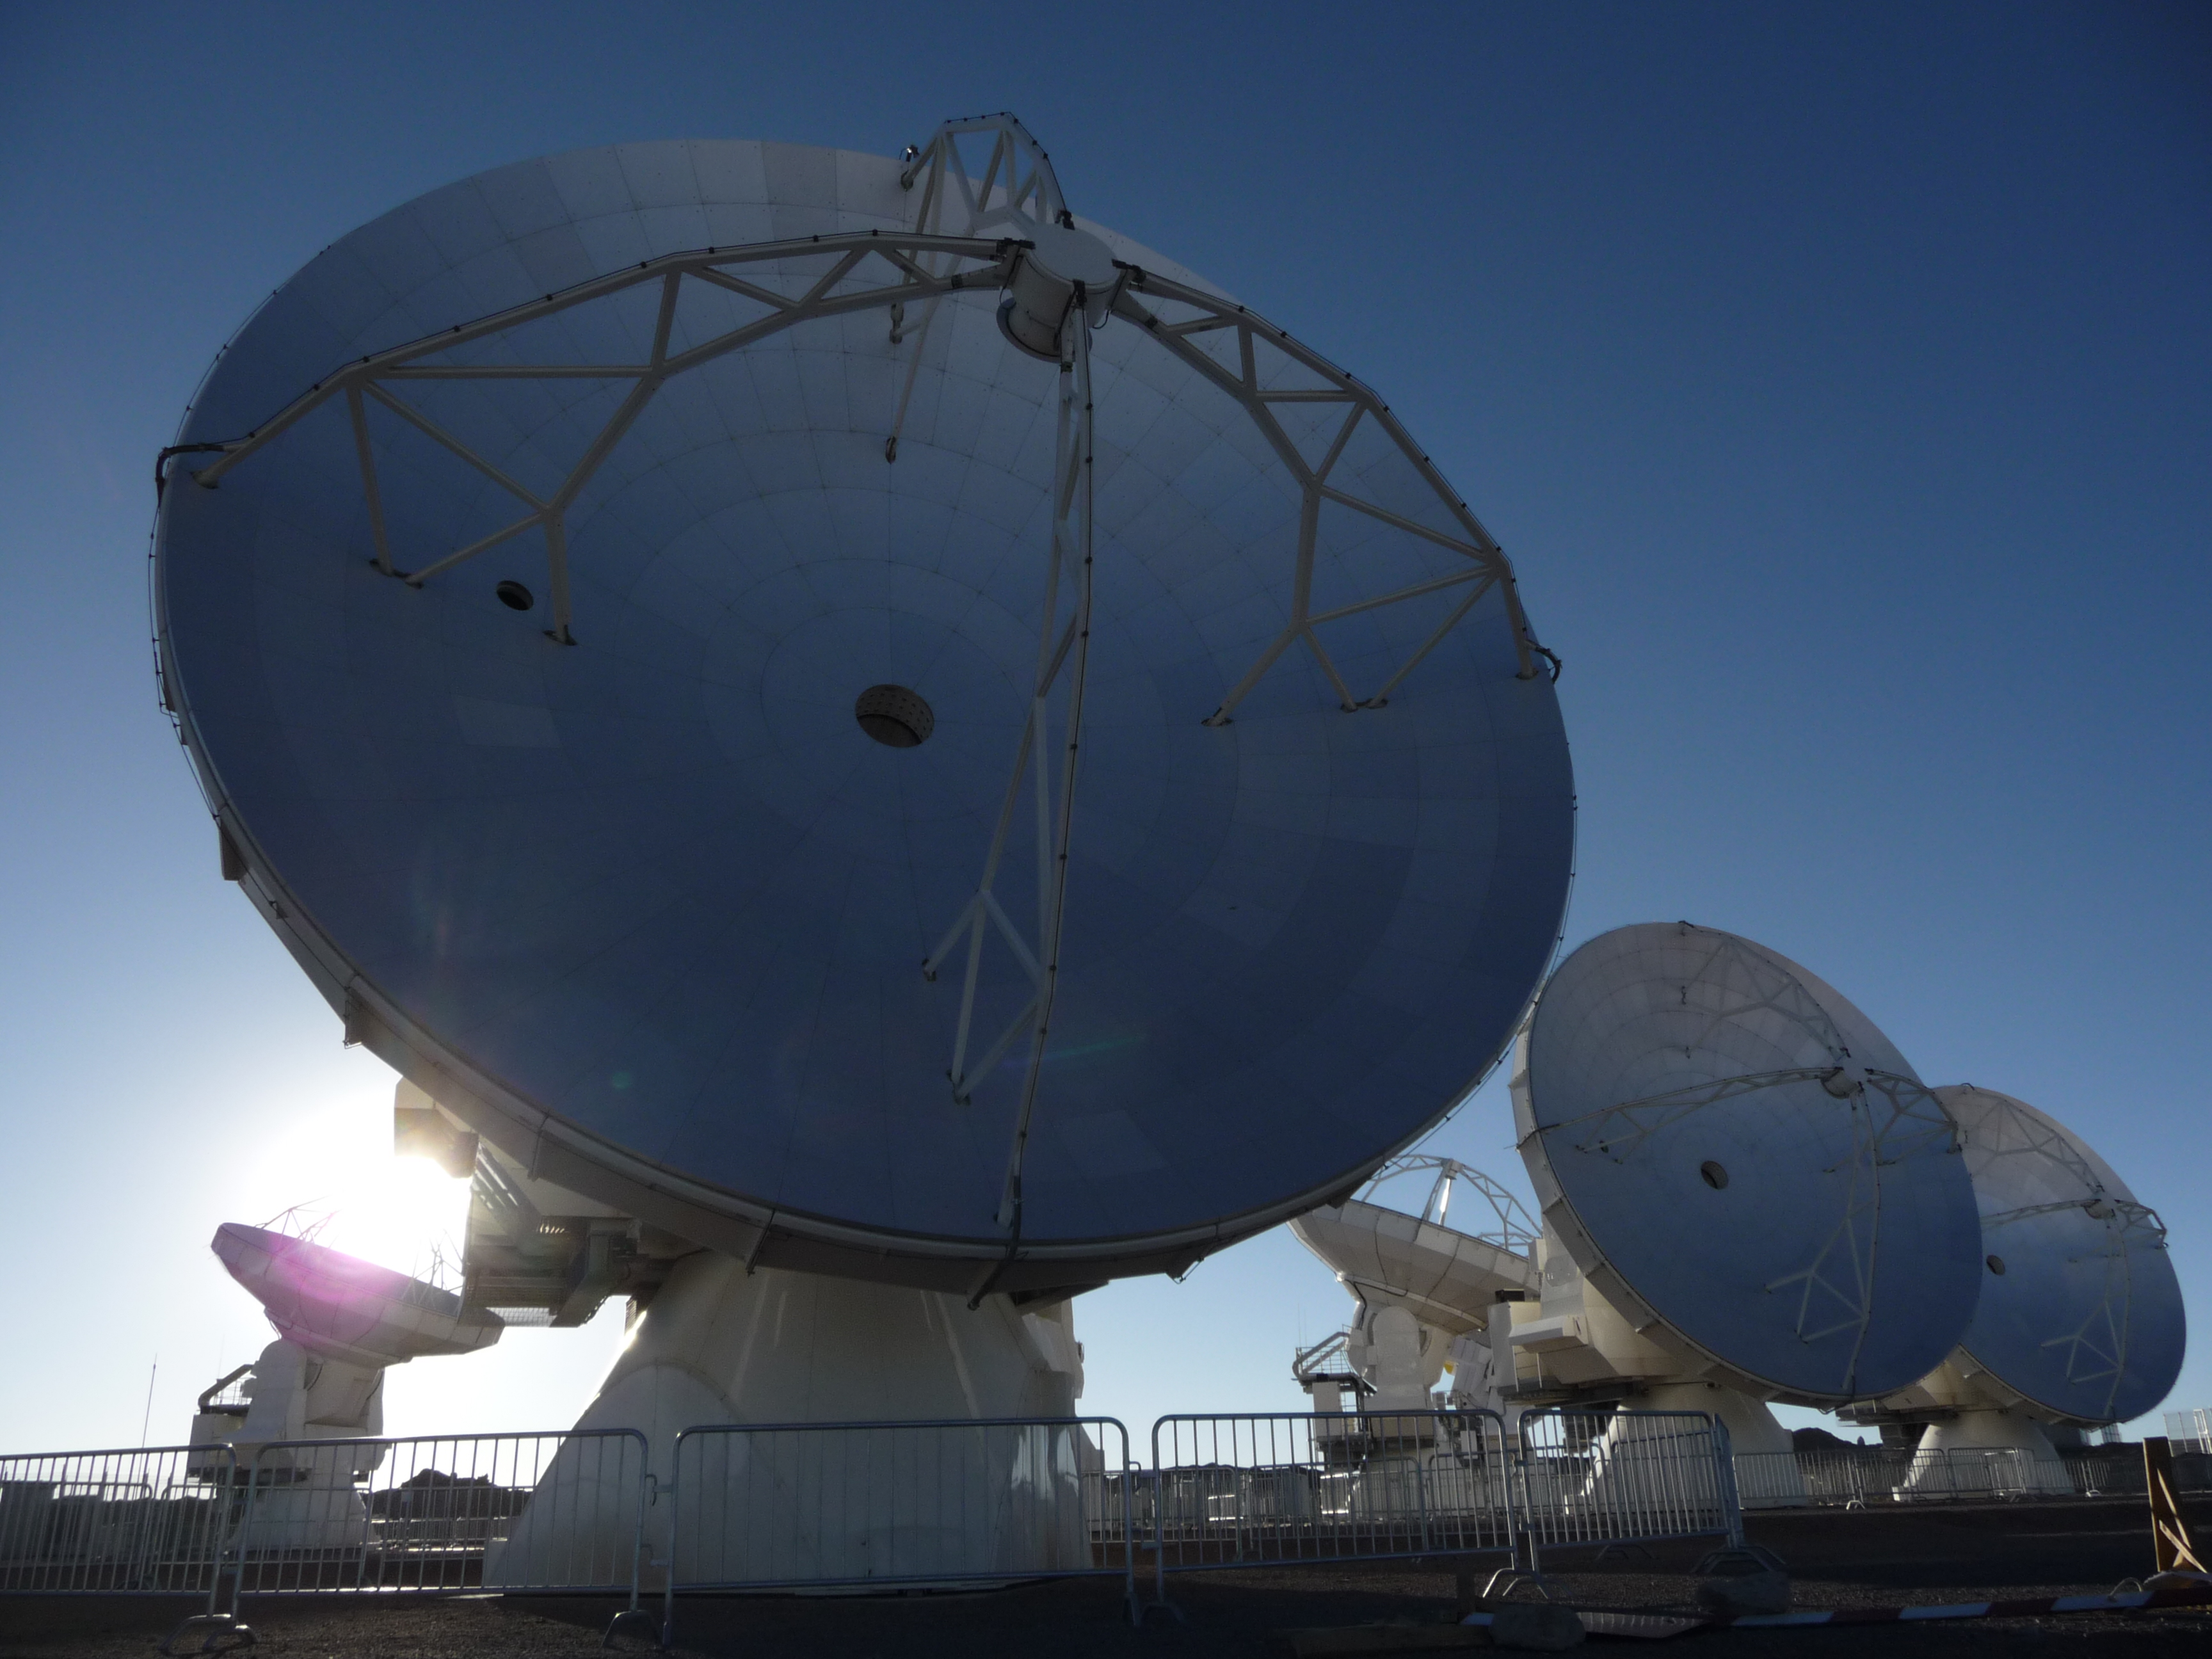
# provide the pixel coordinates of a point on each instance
(1722, 1140)
(651, 909)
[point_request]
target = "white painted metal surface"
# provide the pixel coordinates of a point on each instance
(721, 1345)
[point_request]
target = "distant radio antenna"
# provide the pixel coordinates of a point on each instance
(1733, 1154)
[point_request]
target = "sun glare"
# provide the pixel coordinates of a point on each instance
(397, 1214)
(339, 1169)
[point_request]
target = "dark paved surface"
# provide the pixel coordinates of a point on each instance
(1838, 1559)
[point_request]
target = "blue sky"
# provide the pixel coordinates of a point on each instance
(1837, 377)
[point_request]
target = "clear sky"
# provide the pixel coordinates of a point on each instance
(1837, 376)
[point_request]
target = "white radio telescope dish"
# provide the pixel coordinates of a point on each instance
(2081, 1314)
(339, 1307)
(638, 616)
(1445, 1264)
(1728, 1147)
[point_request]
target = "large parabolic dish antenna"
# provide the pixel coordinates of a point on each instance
(713, 707)
(1725, 1144)
(2080, 1313)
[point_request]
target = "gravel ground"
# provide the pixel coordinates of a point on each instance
(1838, 1559)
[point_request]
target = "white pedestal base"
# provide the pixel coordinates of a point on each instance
(2001, 1452)
(305, 1521)
(1766, 1472)
(720, 1346)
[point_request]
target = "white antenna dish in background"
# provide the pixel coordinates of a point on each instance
(2080, 1316)
(339, 1307)
(1444, 1264)
(1732, 1152)
(1425, 1280)
(341, 1322)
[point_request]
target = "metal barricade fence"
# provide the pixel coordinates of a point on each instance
(941, 1501)
(555, 1511)
(1860, 1478)
(1625, 1477)
(1823, 1479)
(144, 1523)
(1248, 1489)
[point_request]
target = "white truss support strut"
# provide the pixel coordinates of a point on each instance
(366, 454)
(1017, 169)
(1061, 647)
(1412, 591)
(921, 335)
(417, 578)
(1075, 500)
(993, 257)
(973, 914)
(1475, 544)
(556, 568)
(517, 372)
(1345, 700)
(1301, 597)
(430, 429)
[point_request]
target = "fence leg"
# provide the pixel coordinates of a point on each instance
(1524, 1569)
(224, 1633)
(646, 1484)
(1131, 1603)
(1159, 1602)
(220, 1621)
(650, 1624)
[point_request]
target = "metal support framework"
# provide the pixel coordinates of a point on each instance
(1060, 647)
(1515, 1229)
(1175, 313)
(1014, 192)
(1890, 1116)
(971, 224)
(1016, 188)
(868, 271)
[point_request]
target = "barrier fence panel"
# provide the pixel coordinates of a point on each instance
(144, 1523)
(2107, 1472)
(2189, 1430)
(1858, 1477)
(1248, 1489)
(798, 1506)
(1625, 1477)
(1824, 1479)
(555, 1511)
(2117, 1470)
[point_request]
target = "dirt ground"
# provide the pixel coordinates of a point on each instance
(1836, 1559)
